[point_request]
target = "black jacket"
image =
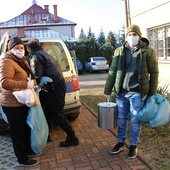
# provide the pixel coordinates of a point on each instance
(44, 64)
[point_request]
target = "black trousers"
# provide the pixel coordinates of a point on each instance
(53, 103)
(20, 131)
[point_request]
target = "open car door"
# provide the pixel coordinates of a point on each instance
(3, 43)
(73, 56)
(3, 47)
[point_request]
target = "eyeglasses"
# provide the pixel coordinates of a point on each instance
(132, 34)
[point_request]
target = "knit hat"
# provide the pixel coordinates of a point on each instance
(14, 41)
(134, 28)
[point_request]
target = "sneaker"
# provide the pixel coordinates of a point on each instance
(30, 162)
(33, 154)
(132, 152)
(120, 146)
(70, 142)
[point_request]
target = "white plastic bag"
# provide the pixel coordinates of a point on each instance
(27, 96)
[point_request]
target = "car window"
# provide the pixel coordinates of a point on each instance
(99, 59)
(56, 50)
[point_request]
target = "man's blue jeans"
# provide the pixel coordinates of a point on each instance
(129, 106)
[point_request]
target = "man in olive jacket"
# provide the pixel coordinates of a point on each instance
(134, 76)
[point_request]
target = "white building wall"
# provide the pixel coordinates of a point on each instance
(153, 17)
(149, 14)
(66, 30)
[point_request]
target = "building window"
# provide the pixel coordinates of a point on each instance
(160, 40)
(168, 42)
(35, 10)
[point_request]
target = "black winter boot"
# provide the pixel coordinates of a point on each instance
(70, 141)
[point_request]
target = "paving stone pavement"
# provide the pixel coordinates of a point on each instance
(90, 154)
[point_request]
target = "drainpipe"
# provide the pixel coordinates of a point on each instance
(127, 12)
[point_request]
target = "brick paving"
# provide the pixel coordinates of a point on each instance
(90, 154)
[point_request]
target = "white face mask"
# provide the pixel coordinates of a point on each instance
(132, 40)
(18, 53)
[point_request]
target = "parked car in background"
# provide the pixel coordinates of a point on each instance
(97, 64)
(79, 66)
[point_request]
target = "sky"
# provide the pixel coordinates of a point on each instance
(106, 15)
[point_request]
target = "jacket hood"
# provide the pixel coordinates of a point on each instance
(145, 40)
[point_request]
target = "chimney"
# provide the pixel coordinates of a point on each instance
(55, 13)
(20, 32)
(32, 21)
(46, 7)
